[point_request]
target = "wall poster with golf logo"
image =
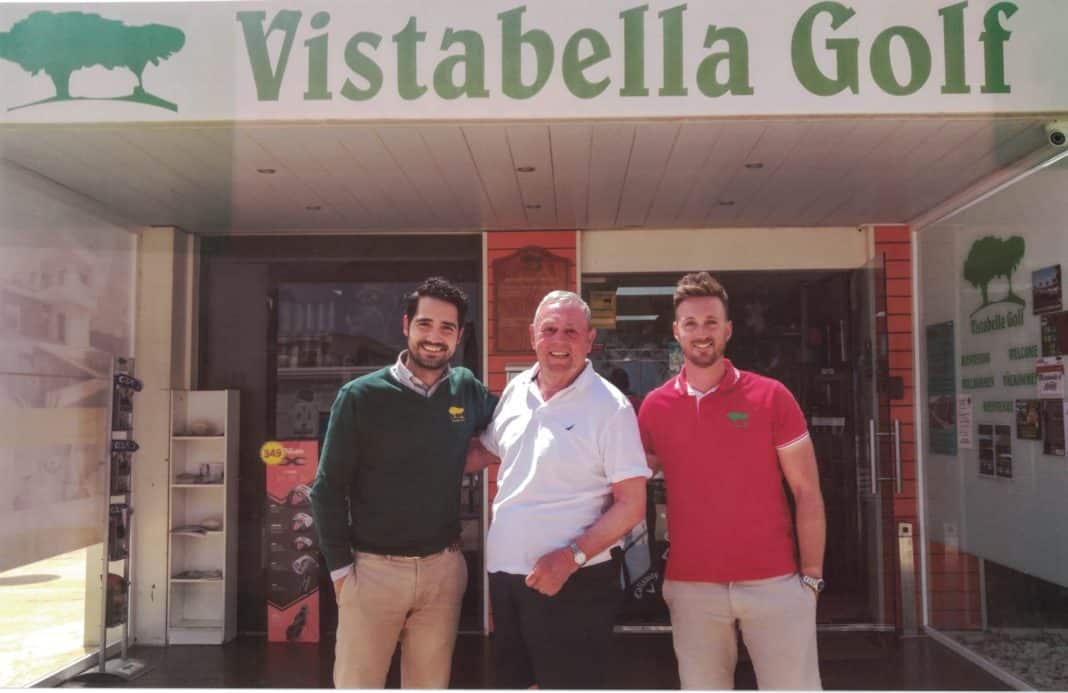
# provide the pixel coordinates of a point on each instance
(294, 561)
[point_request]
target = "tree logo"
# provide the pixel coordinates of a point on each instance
(990, 258)
(59, 43)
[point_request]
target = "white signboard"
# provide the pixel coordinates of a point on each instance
(421, 60)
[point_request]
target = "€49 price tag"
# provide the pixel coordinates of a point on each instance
(272, 453)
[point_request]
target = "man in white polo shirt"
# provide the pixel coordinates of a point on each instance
(571, 484)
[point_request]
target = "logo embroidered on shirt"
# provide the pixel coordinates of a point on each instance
(457, 414)
(738, 418)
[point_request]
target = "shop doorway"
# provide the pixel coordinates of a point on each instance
(288, 320)
(819, 332)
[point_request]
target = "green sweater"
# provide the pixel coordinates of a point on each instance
(393, 460)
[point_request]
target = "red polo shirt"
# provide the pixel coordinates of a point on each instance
(728, 517)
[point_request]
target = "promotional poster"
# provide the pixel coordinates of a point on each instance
(294, 561)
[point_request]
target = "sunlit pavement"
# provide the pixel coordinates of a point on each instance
(42, 618)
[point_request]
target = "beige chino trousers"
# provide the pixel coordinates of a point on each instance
(777, 617)
(391, 599)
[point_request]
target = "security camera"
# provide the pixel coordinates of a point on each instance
(1057, 133)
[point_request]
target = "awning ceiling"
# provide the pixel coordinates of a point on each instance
(330, 177)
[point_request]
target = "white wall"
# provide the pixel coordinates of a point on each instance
(673, 250)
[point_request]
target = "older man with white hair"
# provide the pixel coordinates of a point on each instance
(571, 484)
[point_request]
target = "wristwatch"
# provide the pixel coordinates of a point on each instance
(579, 554)
(815, 584)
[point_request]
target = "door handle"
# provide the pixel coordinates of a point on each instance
(873, 445)
(897, 455)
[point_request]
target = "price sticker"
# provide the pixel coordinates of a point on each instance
(272, 453)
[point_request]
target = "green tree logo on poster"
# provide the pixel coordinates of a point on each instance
(990, 258)
(60, 43)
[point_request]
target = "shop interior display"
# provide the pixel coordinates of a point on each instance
(202, 585)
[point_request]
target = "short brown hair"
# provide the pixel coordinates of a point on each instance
(699, 285)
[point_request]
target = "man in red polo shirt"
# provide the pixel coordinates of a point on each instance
(726, 439)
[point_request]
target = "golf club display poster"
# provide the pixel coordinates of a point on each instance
(1055, 334)
(986, 449)
(1053, 411)
(1029, 419)
(941, 389)
(293, 559)
(1003, 451)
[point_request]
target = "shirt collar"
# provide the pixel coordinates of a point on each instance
(730, 377)
(579, 382)
(405, 377)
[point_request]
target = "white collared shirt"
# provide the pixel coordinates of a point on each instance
(402, 374)
(559, 459)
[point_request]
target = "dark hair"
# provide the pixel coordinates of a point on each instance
(699, 285)
(441, 289)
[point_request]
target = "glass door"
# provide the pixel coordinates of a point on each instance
(877, 446)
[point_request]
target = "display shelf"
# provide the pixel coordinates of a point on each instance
(202, 609)
(194, 617)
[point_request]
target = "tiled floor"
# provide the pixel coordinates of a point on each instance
(849, 661)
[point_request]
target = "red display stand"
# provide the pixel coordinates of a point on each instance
(294, 561)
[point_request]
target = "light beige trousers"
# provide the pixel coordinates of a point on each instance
(391, 599)
(777, 618)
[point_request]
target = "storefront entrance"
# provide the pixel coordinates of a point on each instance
(822, 333)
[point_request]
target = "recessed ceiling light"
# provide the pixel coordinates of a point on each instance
(267, 171)
(313, 208)
(726, 203)
(526, 169)
(754, 165)
(534, 206)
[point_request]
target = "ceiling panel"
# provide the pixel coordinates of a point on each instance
(725, 162)
(338, 177)
(451, 156)
(496, 171)
(693, 147)
(653, 145)
(610, 152)
(570, 144)
(532, 158)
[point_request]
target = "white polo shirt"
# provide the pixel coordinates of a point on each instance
(559, 460)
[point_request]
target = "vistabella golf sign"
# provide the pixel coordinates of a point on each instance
(547, 58)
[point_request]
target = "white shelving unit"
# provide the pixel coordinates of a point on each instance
(202, 556)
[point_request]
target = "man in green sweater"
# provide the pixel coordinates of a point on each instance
(386, 500)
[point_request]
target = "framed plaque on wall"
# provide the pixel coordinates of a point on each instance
(520, 281)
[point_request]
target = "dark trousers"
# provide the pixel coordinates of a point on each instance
(556, 642)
